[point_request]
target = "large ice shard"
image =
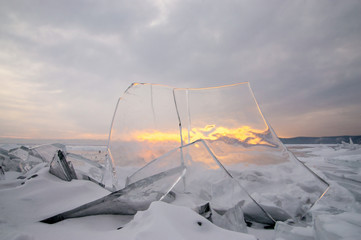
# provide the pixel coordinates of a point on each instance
(87, 169)
(206, 181)
(286, 231)
(232, 219)
(47, 151)
(137, 196)
(150, 120)
(23, 159)
(68, 166)
(229, 119)
(7, 163)
(26, 157)
(145, 125)
(188, 176)
(61, 168)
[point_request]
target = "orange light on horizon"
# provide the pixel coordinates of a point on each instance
(150, 143)
(210, 132)
(242, 134)
(155, 136)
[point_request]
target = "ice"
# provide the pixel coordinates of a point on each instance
(286, 231)
(21, 152)
(143, 114)
(18, 158)
(232, 219)
(22, 206)
(87, 169)
(22, 158)
(2, 173)
(165, 221)
(26, 157)
(228, 118)
(189, 176)
(350, 145)
(61, 168)
(135, 197)
(349, 160)
(4, 155)
(7, 163)
(110, 179)
(341, 226)
(47, 151)
(206, 181)
(150, 120)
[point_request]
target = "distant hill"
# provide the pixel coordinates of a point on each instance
(321, 140)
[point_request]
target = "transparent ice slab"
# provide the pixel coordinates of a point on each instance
(47, 151)
(144, 115)
(136, 196)
(8, 163)
(152, 119)
(22, 159)
(205, 181)
(232, 219)
(61, 168)
(286, 231)
(87, 169)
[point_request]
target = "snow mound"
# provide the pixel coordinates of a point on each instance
(166, 221)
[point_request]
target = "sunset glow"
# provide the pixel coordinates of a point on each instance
(210, 132)
(154, 136)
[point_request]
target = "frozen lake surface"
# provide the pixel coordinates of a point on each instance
(24, 202)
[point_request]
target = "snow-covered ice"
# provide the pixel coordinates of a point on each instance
(26, 201)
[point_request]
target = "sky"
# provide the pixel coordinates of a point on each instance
(64, 64)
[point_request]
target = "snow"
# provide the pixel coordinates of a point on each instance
(22, 206)
(24, 202)
(175, 222)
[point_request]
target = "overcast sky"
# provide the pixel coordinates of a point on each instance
(63, 64)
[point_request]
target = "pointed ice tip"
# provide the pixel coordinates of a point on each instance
(133, 85)
(60, 154)
(54, 219)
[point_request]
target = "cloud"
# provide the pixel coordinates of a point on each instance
(64, 64)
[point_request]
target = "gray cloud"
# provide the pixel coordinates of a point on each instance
(64, 63)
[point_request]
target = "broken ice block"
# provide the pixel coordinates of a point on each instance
(61, 168)
(232, 219)
(144, 126)
(22, 152)
(4, 155)
(205, 181)
(23, 159)
(6, 163)
(150, 120)
(2, 173)
(19, 159)
(285, 231)
(47, 151)
(229, 119)
(135, 197)
(86, 169)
